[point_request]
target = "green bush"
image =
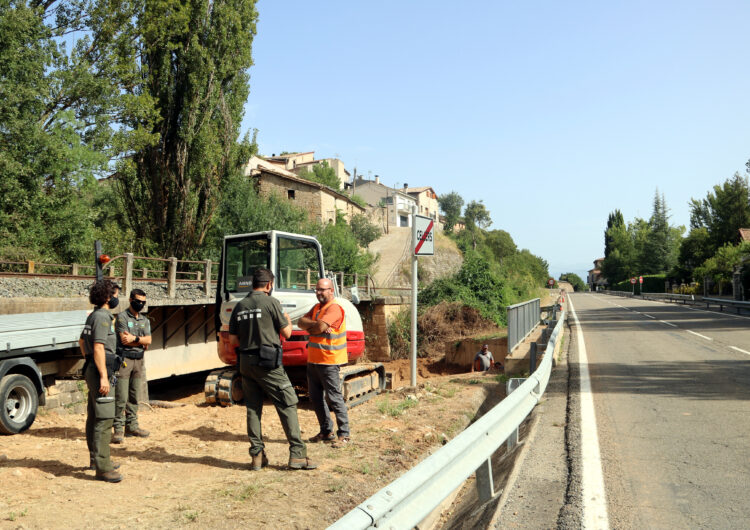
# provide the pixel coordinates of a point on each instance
(652, 283)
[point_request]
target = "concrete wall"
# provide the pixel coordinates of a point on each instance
(462, 353)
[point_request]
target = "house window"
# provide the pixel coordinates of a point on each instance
(403, 220)
(290, 195)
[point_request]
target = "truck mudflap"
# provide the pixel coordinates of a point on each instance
(360, 382)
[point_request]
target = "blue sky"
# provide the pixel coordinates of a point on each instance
(552, 113)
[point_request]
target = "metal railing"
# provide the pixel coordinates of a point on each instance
(410, 498)
(522, 319)
(721, 302)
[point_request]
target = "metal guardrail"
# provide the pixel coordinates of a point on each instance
(522, 319)
(410, 498)
(721, 302)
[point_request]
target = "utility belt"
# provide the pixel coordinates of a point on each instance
(268, 357)
(129, 354)
(112, 361)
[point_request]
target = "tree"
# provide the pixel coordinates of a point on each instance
(661, 245)
(59, 112)
(451, 205)
(620, 264)
(193, 62)
(723, 212)
(501, 244)
(364, 231)
(477, 218)
(574, 280)
(614, 219)
(694, 250)
(322, 174)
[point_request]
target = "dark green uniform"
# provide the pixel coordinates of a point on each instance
(99, 328)
(257, 319)
(131, 374)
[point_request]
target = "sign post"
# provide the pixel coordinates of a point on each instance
(423, 244)
(632, 286)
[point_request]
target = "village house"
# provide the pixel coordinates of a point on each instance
(321, 202)
(397, 204)
(595, 279)
(299, 162)
(427, 201)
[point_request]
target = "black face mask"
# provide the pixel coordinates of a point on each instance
(113, 302)
(137, 305)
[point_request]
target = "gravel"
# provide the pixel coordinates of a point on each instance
(65, 288)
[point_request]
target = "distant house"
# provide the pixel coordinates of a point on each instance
(299, 162)
(744, 234)
(427, 201)
(595, 279)
(321, 202)
(396, 203)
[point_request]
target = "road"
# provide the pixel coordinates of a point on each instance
(670, 388)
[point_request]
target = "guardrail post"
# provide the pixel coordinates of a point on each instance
(532, 358)
(172, 280)
(30, 267)
(510, 386)
(207, 272)
(485, 485)
(127, 281)
(74, 270)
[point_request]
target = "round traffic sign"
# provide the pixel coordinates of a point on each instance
(550, 282)
(632, 280)
(640, 279)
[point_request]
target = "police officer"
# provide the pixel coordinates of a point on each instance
(254, 329)
(133, 330)
(98, 343)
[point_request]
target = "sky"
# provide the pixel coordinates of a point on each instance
(554, 114)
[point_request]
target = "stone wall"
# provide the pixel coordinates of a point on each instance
(376, 316)
(462, 353)
(66, 397)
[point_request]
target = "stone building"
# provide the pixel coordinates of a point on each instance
(397, 204)
(299, 162)
(321, 202)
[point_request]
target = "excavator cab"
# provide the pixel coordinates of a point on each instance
(297, 263)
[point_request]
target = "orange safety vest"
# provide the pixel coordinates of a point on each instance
(327, 348)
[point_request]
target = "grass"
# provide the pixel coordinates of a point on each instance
(335, 487)
(187, 514)
(474, 382)
(497, 335)
(12, 516)
(501, 378)
(394, 410)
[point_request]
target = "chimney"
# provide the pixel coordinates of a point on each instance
(405, 185)
(377, 179)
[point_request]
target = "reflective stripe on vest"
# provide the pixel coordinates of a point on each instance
(327, 348)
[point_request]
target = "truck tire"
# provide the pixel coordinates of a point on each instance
(18, 403)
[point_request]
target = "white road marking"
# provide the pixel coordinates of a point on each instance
(668, 323)
(741, 351)
(646, 315)
(594, 497)
(699, 335)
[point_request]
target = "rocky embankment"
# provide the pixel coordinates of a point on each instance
(75, 288)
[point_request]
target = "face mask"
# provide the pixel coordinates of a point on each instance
(137, 305)
(113, 302)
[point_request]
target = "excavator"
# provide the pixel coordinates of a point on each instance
(297, 263)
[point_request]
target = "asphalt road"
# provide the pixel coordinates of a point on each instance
(671, 395)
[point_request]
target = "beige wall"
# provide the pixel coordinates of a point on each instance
(320, 206)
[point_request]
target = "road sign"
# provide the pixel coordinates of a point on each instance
(424, 244)
(640, 280)
(632, 280)
(550, 282)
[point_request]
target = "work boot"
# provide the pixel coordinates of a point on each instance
(109, 476)
(301, 463)
(259, 461)
(320, 437)
(118, 437)
(140, 433)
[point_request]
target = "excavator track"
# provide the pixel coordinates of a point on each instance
(360, 382)
(229, 388)
(211, 386)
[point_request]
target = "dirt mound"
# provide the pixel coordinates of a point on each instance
(451, 321)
